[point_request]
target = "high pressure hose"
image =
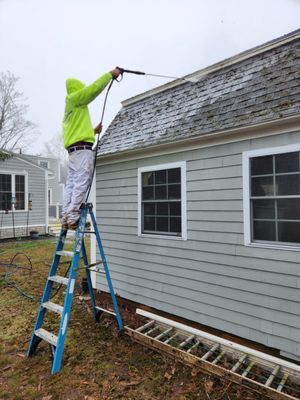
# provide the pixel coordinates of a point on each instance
(128, 71)
(98, 140)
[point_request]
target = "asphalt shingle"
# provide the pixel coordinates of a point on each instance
(262, 88)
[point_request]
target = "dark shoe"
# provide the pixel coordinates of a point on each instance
(87, 225)
(73, 225)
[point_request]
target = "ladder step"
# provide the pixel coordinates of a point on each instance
(53, 307)
(59, 279)
(273, 375)
(107, 311)
(47, 336)
(65, 253)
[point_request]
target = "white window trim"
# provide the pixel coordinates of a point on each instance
(246, 194)
(182, 166)
(13, 192)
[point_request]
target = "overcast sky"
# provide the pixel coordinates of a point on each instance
(46, 41)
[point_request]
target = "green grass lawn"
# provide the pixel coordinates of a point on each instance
(98, 363)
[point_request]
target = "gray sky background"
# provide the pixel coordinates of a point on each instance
(45, 42)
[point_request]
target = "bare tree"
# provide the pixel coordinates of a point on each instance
(15, 129)
(55, 148)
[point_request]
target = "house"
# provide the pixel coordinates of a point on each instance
(198, 197)
(56, 181)
(23, 196)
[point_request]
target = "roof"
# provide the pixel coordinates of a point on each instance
(258, 86)
(4, 154)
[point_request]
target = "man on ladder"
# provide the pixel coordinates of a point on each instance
(79, 136)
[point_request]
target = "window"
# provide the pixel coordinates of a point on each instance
(162, 200)
(274, 194)
(5, 192)
(12, 191)
(44, 164)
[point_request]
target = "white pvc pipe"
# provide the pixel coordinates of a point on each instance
(217, 339)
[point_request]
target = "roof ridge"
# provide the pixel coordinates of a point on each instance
(244, 55)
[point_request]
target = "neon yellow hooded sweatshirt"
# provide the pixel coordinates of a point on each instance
(77, 126)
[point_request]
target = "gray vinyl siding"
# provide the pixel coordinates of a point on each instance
(37, 188)
(211, 277)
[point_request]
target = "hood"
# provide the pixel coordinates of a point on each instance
(73, 85)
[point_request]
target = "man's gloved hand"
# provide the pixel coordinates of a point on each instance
(115, 73)
(98, 128)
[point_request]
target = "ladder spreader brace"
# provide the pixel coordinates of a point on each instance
(57, 341)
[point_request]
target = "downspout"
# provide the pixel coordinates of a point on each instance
(46, 204)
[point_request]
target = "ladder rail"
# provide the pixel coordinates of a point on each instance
(46, 294)
(108, 278)
(62, 333)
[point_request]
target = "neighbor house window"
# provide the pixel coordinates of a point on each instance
(274, 194)
(44, 164)
(5, 192)
(162, 200)
(12, 189)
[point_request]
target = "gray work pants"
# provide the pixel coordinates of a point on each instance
(80, 169)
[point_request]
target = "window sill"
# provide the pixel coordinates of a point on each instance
(148, 235)
(273, 246)
(15, 211)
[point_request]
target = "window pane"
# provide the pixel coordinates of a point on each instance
(288, 208)
(20, 183)
(174, 191)
(175, 208)
(162, 208)
(287, 184)
(288, 162)
(5, 183)
(162, 224)
(20, 201)
(289, 232)
(161, 192)
(261, 165)
(174, 175)
(148, 193)
(175, 224)
(149, 223)
(147, 178)
(264, 209)
(5, 201)
(264, 230)
(149, 208)
(262, 186)
(160, 177)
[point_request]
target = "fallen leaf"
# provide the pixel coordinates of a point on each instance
(21, 355)
(47, 397)
(168, 376)
(208, 384)
(6, 368)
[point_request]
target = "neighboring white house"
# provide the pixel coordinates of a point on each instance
(29, 185)
(198, 196)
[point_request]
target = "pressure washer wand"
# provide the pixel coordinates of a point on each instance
(130, 71)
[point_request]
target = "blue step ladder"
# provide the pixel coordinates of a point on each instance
(57, 341)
